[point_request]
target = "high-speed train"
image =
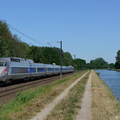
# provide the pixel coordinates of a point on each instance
(14, 68)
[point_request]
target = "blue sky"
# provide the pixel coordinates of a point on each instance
(88, 28)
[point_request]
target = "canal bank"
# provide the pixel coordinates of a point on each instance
(104, 104)
(112, 80)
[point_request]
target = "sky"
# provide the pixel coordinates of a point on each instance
(88, 29)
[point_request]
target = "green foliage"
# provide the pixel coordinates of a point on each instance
(111, 65)
(67, 58)
(10, 45)
(51, 55)
(80, 64)
(98, 63)
(117, 63)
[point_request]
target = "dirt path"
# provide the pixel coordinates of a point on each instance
(85, 111)
(42, 115)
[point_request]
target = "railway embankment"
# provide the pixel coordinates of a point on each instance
(59, 101)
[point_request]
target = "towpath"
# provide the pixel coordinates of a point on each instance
(85, 111)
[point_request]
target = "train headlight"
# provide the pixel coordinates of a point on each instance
(6, 71)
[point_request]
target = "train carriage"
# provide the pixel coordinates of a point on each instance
(56, 69)
(37, 70)
(14, 68)
(49, 69)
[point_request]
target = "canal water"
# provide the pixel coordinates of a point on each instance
(112, 80)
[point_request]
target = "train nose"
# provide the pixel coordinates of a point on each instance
(3, 78)
(2, 69)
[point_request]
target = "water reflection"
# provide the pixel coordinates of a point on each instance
(112, 80)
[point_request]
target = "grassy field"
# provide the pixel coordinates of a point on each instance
(30, 102)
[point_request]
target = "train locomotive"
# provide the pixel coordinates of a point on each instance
(14, 68)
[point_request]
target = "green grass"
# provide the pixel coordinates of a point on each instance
(18, 104)
(18, 107)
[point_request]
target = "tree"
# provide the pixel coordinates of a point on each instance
(67, 59)
(34, 53)
(80, 64)
(98, 63)
(111, 65)
(117, 63)
(5, 40)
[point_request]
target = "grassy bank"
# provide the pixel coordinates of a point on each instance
(29, 102)
(104, 105)
(116, 70)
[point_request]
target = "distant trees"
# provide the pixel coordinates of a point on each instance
(117, 63)
(98, 63)
(67, 58)
(111, 65)
(80, 64)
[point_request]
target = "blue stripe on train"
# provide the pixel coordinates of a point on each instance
(34, 70)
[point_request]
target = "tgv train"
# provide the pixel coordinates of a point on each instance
(13, 68)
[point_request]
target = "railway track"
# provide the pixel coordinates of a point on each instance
(13, 90)
(8, 92)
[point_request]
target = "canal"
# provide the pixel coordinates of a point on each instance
(112, 80)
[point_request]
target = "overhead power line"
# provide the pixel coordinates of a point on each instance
(49, 44)
(23, 33)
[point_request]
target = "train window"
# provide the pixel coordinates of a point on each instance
(50, 69)
(15, 60)
(2, 64)
(22, 60)
(19, 70)
(56, 69)
(40, 69)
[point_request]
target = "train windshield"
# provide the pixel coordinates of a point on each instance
(2, 64)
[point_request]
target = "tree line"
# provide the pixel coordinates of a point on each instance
(100, 63)
(12, 46)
